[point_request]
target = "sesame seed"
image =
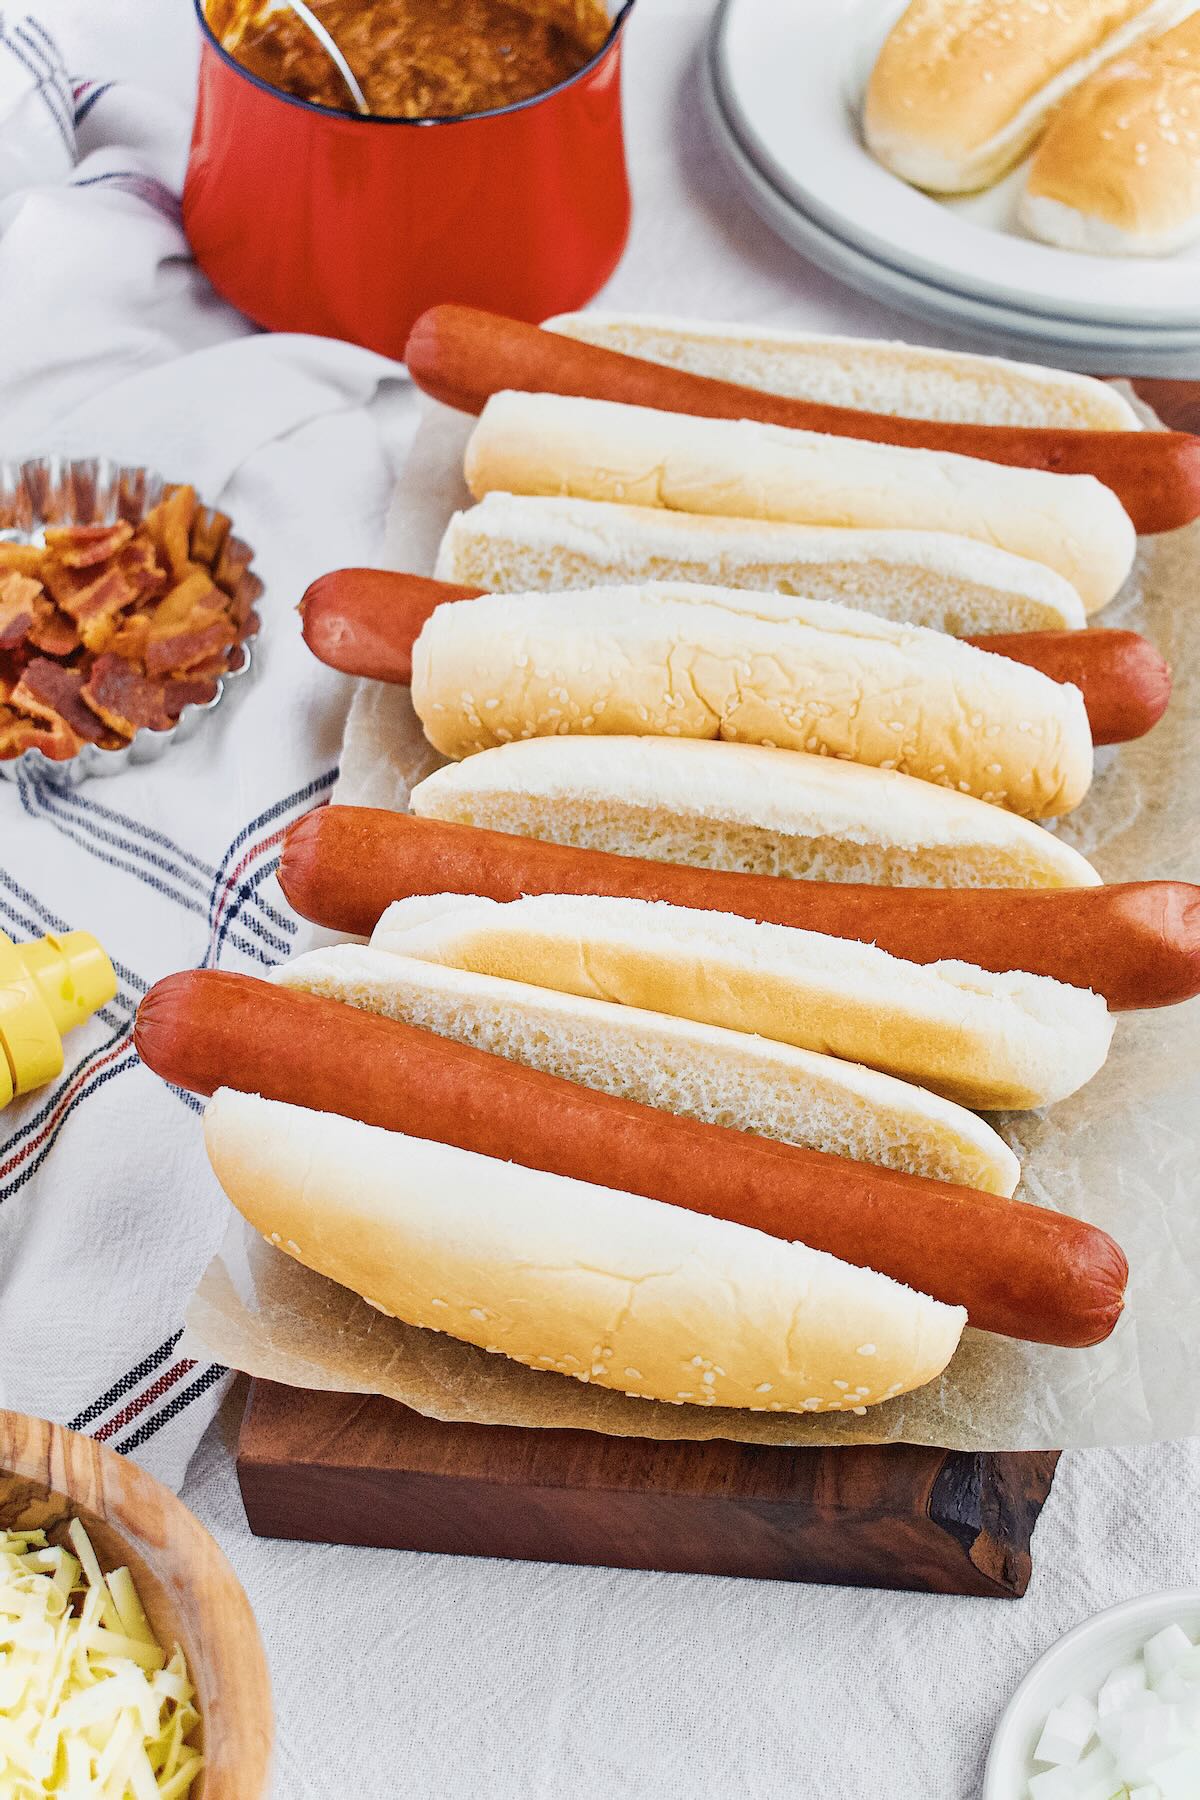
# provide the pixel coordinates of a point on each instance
(764, 1387)
(860, 1410)
(841, 1384)
(866, 1350)
(477, 1312)
(708, 1378)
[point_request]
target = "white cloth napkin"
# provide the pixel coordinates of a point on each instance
(112, 342)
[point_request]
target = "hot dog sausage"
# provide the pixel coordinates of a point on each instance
(462, 356)
(1137, 943)
(1125, 683)
(1018, 1269)
(365, 622)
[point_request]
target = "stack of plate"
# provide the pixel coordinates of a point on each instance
(785, 84)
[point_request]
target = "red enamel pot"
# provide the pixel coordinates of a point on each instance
(314, 220)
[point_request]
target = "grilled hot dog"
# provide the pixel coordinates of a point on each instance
(365, 622)
(1018, 1269)
(462, 356)
(1137, 943)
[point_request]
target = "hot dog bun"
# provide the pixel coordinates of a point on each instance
(961, 88)
(692, 1070)
(671, 660)
(510, 543)
(746, 808)
(1117, 172)
(561, 1275)
(981, 1039)
(906, 380)
(601, 450)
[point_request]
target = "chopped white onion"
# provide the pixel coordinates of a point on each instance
(1137, 1738)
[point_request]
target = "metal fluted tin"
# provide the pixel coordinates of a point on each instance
(56, 490)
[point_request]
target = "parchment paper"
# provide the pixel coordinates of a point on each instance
(1124, 1153)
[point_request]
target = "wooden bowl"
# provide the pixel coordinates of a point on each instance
(48, 1476)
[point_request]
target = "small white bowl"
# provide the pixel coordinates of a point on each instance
(1078, 1663)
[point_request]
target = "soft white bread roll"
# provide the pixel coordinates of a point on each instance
(601, 450)
(749, 809)
(961, 88)
(1118, 171)
(982, 1039)
(677, 1065)
(513, 543)
(626, 1292)
(907, 380)
(673, 660)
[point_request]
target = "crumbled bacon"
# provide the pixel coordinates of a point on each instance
(21, 559)
(209, 531)
(109, 629)
(21, 605)
(232, 564)
(241, 605)
(126, 699)
(168, 526)
(18, 734)
(47, 689)
(55, 634)
(84, 546)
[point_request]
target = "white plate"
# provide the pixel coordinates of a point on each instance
(792, 74)
(1097, 349)
(1078, 1663)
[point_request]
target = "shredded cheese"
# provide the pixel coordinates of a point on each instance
(90, 1706)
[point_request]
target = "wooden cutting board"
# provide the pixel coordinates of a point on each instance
(363, 1470)
(337, 1467)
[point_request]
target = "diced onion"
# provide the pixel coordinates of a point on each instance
(1136, 1738)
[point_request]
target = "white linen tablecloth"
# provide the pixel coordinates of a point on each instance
(396, 1675)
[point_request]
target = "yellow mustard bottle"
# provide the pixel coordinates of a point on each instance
(46, 987)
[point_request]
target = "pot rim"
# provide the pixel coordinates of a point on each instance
(347, 117)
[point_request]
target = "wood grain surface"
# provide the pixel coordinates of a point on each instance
(364, 1470)
(48, 1476)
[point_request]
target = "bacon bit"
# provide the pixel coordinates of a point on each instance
(55, 633)
(124, 698)
(193, 645)
(241, 606)
(232, 564)
(21, 559)
(18, 734)
(189, 692)
(209, 531)
(21, 605)
(94, 600)
(194, 592)
(47, 690)
(84, 546)
(168, 526)
(131, 638)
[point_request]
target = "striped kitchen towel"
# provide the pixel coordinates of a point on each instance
(112, 342)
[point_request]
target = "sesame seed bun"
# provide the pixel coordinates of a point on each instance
(679, 661)
(564, 1276)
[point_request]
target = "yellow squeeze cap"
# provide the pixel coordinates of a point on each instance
(46, 988)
